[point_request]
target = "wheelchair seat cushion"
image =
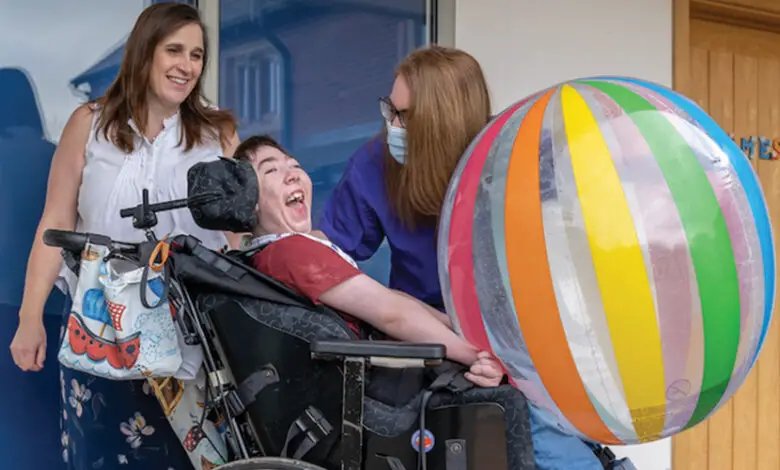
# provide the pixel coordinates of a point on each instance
(310, 325)
(381, 418)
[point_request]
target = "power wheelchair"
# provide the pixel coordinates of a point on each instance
(290, 378)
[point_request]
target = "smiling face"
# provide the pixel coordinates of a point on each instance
(284, 192)
(177, 66)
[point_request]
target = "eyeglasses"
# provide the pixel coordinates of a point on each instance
(390, 112)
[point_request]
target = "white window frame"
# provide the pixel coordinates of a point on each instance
(272, 120)
(442, 32)
(443, 11)
(209, 11)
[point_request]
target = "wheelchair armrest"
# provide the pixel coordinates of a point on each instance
(381, 353)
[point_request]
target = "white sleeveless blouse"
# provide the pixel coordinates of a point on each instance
(113, 180)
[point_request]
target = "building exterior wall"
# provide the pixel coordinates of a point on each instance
(527, 45)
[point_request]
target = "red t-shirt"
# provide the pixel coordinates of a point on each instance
(306, 266)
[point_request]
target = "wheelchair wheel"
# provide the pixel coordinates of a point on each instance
(269, 463)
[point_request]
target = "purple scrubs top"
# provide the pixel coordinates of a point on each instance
(358, 217)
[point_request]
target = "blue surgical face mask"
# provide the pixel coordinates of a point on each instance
(396, 142)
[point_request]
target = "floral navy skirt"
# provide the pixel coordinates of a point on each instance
(108, 424)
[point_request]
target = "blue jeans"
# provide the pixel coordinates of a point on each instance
(554, 450)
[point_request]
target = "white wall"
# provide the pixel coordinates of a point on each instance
(527, 45)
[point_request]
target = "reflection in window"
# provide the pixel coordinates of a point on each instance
(309, 73)
(43, 78)
(252, 88)
(50, 49)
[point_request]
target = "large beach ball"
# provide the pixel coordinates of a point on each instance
(610, 244)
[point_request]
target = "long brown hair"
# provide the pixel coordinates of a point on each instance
(125, 99)
(450, 105)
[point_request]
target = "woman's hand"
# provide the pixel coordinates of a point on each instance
(486, 371)
(28, 347)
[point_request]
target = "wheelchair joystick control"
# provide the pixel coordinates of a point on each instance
(144, 217)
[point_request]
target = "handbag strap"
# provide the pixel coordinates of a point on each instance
(158, 263)
(161, 250)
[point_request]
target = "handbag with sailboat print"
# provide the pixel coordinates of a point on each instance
(110, 332)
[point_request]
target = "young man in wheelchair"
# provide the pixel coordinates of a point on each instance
(320, 271)
(307, 262)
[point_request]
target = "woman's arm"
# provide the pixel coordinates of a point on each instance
(229, 148)
(348, 217)
(60, 212)
(399, 316)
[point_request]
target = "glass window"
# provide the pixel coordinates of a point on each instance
(55, 55)
(309, 73)
(58, 61)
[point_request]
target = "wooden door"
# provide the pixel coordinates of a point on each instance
(727, 58)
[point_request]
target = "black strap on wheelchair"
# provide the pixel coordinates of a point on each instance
(451, 379)
(255, 383)
(605, 455)
(394, 463)
(218, 262)
(72, 261)
(313, 425)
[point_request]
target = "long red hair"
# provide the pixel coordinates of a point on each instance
(450, 105)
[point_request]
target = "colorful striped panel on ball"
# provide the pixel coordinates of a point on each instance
(602, 238)
(459, 242)
(747, 178)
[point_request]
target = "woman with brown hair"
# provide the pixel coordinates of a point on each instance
(147, 130)
(394, 187)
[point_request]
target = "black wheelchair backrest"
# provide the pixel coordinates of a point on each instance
(210, 271)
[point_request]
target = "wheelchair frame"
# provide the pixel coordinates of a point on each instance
(197, 328)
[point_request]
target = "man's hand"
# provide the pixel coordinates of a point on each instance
(486, 371)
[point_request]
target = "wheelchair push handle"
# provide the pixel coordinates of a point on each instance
(75, 242)
(143, 218)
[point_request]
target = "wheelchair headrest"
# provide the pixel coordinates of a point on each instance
(236, 181)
